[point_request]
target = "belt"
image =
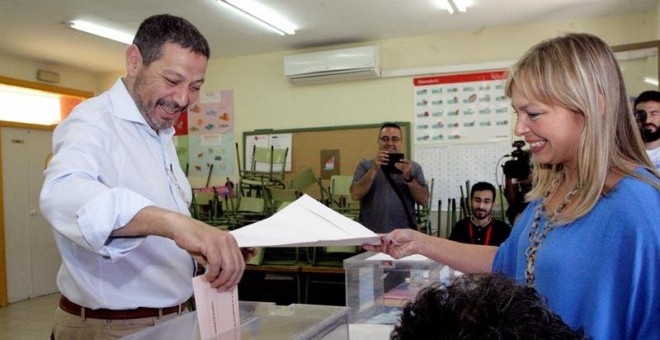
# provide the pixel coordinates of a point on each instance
(110, 314)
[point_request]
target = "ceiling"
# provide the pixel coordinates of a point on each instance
(34, 29)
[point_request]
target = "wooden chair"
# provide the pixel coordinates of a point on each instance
(341, 199)
(423, 212)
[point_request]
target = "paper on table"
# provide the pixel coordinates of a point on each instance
(385, 257)
(218, 313)
(305, 223)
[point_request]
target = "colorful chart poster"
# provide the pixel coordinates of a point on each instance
(214, 113)
(461, 108)
(210, 127)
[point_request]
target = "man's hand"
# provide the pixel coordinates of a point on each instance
(405, 167)
(216, 249)
(382, 157)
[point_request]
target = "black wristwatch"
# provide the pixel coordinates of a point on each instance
(408, 180)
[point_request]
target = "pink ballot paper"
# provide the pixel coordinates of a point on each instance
(218, 315)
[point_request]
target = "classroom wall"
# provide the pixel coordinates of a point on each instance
(70, 77)
(265, 99)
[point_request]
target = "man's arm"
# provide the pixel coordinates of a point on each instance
(420, 193)
(210, 246)
(361, 187)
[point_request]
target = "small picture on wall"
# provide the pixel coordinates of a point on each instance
(329, 163)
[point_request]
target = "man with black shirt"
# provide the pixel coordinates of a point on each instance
(481, 228)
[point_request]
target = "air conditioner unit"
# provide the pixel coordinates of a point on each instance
(334, 65)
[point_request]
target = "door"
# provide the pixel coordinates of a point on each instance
(32, 259)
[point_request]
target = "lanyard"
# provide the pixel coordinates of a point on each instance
(488, 232)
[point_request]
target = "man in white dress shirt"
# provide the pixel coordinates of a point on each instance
(118, 200)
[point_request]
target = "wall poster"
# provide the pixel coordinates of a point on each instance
(277, 141)
(207, 130)
(462, 129)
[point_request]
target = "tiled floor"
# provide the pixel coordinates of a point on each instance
(29, 319)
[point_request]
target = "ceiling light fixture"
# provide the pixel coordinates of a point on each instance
(260, 15)
(101, 31)
(651, 81)
(456, 6)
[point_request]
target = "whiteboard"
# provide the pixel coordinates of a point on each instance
(277, 141)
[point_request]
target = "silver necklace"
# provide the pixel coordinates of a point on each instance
(536, 238)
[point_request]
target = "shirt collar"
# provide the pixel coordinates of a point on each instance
(126, 109)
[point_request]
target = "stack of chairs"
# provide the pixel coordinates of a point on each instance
(340, 200)
(265, 169)
(305, 181)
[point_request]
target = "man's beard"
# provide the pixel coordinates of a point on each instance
(648, 135)
(147, 109)
(481, 214)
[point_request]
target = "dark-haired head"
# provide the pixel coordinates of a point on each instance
(482, 186)
(481, 306)
(157, 30)
(647, 96)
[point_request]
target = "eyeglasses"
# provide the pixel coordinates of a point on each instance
(387, 139)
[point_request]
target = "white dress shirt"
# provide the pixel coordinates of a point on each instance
(108, 164)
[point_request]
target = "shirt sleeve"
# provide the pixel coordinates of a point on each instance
(74, 198)
(361, 169)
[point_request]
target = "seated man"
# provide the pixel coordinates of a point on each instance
(481, 228)
(481, 306)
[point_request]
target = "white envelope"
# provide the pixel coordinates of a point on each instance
(305, 223)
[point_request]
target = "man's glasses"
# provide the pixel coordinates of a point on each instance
(387, 139)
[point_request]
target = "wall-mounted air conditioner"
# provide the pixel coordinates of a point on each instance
(343, 64)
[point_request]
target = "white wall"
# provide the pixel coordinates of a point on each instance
(264, 99)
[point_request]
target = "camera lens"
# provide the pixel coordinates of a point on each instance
(640, 115)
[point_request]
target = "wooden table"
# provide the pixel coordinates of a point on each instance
(286, 284)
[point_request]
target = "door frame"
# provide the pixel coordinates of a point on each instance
(4, 298)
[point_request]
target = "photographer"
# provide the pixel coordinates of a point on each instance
(388, 192)
(647, 115)
(518, 181)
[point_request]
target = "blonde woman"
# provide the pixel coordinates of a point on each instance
(589, 241)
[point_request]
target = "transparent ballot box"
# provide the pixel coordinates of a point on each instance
(377, 286)
(263, 320)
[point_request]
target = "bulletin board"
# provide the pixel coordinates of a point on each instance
(354, 143)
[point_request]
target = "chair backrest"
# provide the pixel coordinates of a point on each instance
(340, 192)
(306, 178)
(341, 185)
(302, 180)
(280, 198)
(262, 159)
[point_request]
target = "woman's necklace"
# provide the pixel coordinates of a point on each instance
(536, 238)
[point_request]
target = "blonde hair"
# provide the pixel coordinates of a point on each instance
(579, 72)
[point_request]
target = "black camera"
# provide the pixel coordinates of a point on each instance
(519, 166)
(640, 116)
(392, 160)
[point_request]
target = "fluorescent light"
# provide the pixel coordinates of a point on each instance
(101, 31)
(651, 81)
(261, 15)
(456, 5)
